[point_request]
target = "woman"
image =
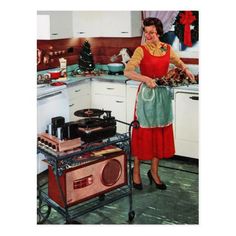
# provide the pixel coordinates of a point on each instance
(153, 140)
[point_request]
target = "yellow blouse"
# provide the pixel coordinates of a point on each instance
(155, 49)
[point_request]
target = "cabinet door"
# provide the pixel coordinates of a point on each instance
(121, 23)
(54, 24)
(79, 103)
(186, 124)
(61, 24)
(87, 23)
(79, 97)
(109, 88)
(107, 23)
(43, 27)
(82, 88)
(115, 104)
(131, 98)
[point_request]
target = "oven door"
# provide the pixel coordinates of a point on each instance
(50, 105)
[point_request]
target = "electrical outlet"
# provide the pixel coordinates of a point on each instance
(70, 50)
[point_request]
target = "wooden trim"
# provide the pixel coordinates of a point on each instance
(194, 61)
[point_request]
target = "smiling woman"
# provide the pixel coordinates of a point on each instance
(154, 139)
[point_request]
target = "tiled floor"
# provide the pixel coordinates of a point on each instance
(176, 205)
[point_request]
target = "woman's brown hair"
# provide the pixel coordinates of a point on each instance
(154, 21)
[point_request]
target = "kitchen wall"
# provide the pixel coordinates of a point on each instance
(49, 51)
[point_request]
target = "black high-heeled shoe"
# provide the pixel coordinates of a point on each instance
(161, 186)
(136, 186)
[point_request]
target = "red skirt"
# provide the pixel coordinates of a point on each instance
(147, 143)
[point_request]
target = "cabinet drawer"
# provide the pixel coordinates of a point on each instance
(83, 102)
(108, 88)
(117, 106)
(79, 89)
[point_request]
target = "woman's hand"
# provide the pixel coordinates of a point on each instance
(151, 83)
(190, 75)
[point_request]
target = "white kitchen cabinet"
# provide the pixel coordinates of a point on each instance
(110, 96)
(107, 23)
(186, 123)
(86, 24)
(79, 98)
(54, 25)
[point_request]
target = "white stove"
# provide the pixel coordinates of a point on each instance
(43, 89)
(52, 101)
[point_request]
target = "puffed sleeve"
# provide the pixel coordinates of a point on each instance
(174, 59)
(135, 59)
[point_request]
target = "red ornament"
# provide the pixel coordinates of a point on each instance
(186, 19)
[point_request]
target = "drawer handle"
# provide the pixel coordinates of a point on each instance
(54, 33)
(77, 90)
(48, 95)
(194, 98)
(124, 32)
(71, 105)
(120, 101)
(81, 32)
(110, 88)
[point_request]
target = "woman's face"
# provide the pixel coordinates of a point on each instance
(150, 34)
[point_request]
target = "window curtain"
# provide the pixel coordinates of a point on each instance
(167, 18)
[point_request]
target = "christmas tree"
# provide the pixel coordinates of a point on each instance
(86, 58)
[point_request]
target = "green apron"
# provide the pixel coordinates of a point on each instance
(154, 107)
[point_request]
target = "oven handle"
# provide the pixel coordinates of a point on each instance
(49, 95)
(194, 98)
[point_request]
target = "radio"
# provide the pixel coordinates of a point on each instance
(91, 179)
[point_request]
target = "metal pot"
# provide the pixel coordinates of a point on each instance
(115, 67)
(54, 74)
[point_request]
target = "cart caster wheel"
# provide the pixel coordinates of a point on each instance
(102, 197)
(131, 216)
(43, 213)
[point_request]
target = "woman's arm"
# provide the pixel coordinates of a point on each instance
(174, 59)
(138, 77)
(134, 62)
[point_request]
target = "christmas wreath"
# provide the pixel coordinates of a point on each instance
(186, 27)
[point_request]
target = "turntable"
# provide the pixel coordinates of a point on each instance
(96, 125)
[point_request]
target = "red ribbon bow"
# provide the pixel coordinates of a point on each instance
(186, 19)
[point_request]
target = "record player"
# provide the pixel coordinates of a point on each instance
(96, 125)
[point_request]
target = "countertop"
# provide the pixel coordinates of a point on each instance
(71, 80)
(106, 78)
(191, 87)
